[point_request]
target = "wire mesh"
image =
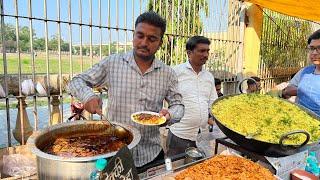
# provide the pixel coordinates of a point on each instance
(283, 47)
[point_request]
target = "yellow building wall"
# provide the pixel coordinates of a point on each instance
(252, 40)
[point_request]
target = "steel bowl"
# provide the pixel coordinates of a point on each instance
(193, 154)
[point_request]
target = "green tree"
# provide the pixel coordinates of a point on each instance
(10, 37)
(64, 46)
(112, 47)
(24, 39)
(53, 44)
(284, 41)
(39, 44)
(9, 33)
(183, 18)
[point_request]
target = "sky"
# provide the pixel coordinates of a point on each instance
(217, 11)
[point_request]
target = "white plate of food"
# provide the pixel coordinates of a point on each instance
(148, 118)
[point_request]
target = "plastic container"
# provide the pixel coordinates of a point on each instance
(312, 164)
(168, 164)
(97, 173)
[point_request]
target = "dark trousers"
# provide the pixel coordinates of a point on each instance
(149, 165)
(177, 145)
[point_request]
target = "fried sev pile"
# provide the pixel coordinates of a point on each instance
(226, 168)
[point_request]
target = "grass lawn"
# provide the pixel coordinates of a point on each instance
(41, 67)
(41, 64)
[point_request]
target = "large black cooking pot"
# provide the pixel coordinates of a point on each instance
(265, 148)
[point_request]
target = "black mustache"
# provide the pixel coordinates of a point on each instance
(144, 48)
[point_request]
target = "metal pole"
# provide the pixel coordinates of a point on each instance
(19, 74)
(33, 65)
(183, 29)
(117, 24)
(125, 25)
(160, 10)
(70, 40)
(199, 9)
(189, 11)
(47, 58)
(59, 59)
(168, 37)
(133, 17)
(90, 31)
(194, 17)
(5, 70)
(172, 37)
(90, 35)
(109, 25)
(80, 31)
(100, 44)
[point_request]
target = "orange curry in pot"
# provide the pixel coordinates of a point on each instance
(84, 146)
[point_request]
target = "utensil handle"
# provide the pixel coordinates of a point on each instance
(241, 82)
(285, 136)
(104, 117)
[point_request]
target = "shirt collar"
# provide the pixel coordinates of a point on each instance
(129, 58)
(188, 65)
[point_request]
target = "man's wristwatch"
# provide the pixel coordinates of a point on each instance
(283, 93)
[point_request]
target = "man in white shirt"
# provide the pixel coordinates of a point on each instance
(198, 91)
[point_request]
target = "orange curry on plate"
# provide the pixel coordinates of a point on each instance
(148, 119)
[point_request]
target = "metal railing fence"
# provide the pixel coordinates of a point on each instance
(283, 49)
(51, 41)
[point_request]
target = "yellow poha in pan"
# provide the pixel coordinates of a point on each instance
(265, 118)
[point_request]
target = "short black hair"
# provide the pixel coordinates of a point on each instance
(152, 18)
(251, 82)
(193, 41)
(217, 81)
(315, 35)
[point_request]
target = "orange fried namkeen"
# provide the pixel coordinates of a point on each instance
(226, 168)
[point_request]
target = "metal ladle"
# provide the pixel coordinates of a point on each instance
(118, 131)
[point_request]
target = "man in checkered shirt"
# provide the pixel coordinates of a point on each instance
(136, 81)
